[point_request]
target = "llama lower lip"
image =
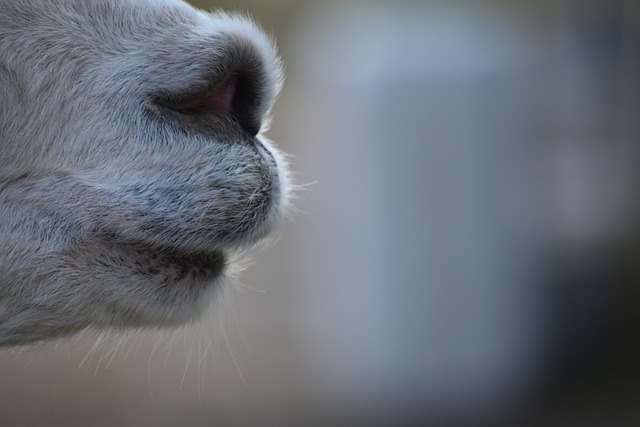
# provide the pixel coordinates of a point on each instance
(178, 265)
(200, 265)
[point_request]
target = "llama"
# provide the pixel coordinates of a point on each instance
(132, 161)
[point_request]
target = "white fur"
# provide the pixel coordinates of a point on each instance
(119, 206)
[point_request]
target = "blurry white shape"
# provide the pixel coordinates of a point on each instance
(417, 267)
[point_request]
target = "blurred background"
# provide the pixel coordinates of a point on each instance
(466, 252)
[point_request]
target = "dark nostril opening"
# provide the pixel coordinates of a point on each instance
(237, 97)
(246, 103)
(240, 95)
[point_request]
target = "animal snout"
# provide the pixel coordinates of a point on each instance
(238, 80)
(130, 171)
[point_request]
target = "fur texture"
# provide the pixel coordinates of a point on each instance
(131, 161)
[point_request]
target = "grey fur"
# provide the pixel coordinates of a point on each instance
(120, 198)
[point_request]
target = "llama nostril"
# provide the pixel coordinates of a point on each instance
(247, 101)
(239, 98)
(235, 84)
(221, 101)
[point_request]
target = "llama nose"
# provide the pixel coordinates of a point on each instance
(232, 77)
(238, 96)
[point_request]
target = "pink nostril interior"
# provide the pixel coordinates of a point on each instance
(221, 101)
